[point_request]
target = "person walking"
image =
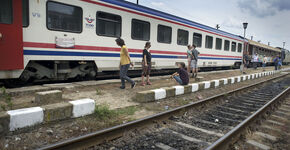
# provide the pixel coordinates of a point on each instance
(181, 76)
(279, 63)
(125, 62)
(276, 61)
(264, 62)
(146, 64)
(189, 58)
(194, 61)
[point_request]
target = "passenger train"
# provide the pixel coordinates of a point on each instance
(60, 39)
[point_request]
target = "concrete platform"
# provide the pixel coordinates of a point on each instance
(48, 97)
(61, 85)
(57, 111)
(166, 92)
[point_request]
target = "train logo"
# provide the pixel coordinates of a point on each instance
(89, 23)
(89, 19)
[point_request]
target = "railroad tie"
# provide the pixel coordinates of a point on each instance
(267, 136)
(191, 139)
(279, 117)
(275, 122)
(271, 128)
(164, 146)
(199, 129)
(283, 113)
(259, 145)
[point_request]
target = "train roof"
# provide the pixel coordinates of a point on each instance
(251, 42)
(164, 15)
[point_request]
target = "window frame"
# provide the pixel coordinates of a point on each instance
(221, 43)
(240, 44)
(132, 29)
(235, 46)
(228, 46)
(110, 14)
(158, 34)
(206, 42)
(27, 13)
(187, 37)
(200, 40)
(61, 29)
(12, 15)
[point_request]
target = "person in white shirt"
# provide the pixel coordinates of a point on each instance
(255, 60)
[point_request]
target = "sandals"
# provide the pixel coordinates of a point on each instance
(148, 83)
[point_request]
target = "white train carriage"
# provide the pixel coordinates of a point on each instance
(60, 39)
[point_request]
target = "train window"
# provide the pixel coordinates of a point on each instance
(63, 17)
(6, 12)
(218, 43)
(182, 37)
(197, 39)
(234, 46)
(25, 13)
(208, 41)
(108, 24)
(164, 34)
(140, 30)
(240, 47)
(227, 45)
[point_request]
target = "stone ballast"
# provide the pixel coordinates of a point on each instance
(162, 93)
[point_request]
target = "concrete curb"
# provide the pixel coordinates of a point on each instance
(162, 93)
(20, 118)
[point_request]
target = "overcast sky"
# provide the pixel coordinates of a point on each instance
(269, 20)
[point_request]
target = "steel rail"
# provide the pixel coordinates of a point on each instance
(232, 136)
(111, 133)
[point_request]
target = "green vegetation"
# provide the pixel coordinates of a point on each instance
(98, 91)
(103, 112)
(7, 100)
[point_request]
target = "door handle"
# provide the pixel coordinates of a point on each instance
(1, 36)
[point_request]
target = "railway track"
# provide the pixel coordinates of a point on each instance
(273, 133)
(213, 123)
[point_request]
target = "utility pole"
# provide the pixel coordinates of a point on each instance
(137, 2)
(245, 25)
(284, 45)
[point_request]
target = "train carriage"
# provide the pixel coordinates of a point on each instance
(58, 39)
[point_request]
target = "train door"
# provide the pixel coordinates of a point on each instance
(11, 40)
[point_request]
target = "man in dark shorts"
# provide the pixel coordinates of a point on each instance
(181, 76)
(194, 60)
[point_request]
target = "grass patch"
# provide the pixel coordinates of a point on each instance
(103, 112)
(98, 92)
(7, 100)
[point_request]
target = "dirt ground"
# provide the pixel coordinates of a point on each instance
(108, 95)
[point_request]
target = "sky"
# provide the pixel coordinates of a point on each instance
(269, 20)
